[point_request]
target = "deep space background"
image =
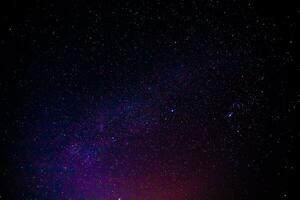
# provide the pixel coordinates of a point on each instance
(149, 100)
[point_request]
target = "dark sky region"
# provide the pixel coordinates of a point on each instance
(149, 100)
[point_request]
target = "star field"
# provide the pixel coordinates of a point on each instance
(148, 100)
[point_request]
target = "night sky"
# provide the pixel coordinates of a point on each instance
(149, 100)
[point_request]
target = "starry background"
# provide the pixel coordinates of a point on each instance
(148, 100)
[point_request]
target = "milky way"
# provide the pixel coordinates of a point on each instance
(120, 150)
(189, 100)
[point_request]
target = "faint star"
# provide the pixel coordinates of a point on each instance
(229, 114)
